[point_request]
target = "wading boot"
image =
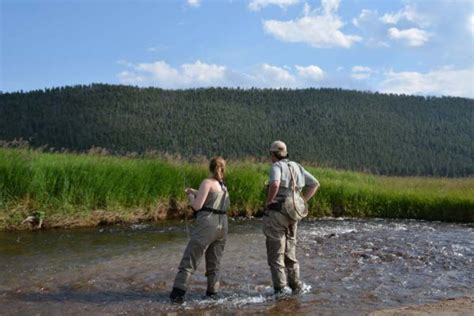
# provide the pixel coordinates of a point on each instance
(278, 292)
(297, 288)
(177, 296)
(212, 295)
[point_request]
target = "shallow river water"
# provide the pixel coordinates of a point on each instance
(350, 267)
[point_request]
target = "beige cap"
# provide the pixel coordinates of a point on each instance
(279, 146)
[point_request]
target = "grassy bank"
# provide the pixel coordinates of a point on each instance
(86, 190)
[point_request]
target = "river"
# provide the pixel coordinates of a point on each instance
(349, 266)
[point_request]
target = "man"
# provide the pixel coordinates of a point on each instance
(279, 229)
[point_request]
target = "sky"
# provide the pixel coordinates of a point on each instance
(421, 47)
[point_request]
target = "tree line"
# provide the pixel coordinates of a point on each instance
(366, 131)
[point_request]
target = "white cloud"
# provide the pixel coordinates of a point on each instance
(374, 27)
(273, 76)
(203, 73)
(322, 31)
(373, 31)
(361, 72)
(470, 24)
(200, 74)
(194, 3)
(330, 6)
(311, 72)
(163, 75)
(256, 5)
(409, 14)
(364, 16)
(306, 9)
(132, 78)
(413, 37)
(159, 71)
(444, 81)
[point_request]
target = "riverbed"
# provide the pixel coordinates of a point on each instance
(349, 266)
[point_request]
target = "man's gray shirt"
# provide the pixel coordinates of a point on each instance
(281, 172)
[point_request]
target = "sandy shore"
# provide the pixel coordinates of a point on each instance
(450, 307)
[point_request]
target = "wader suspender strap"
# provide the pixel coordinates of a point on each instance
(216, 211)
(223, 187)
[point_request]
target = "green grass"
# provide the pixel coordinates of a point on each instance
(84, 190)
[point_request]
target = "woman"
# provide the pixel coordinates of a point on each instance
(209, 234)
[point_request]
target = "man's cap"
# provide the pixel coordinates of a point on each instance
(279, 147)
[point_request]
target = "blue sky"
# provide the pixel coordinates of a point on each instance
(393, 46)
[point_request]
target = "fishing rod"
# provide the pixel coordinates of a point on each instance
(185, 184)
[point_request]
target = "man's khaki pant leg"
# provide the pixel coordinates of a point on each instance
(292, 265)
(274, 229)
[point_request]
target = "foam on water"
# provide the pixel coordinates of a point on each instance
(234, 300)
(318, 232)
(242, 299)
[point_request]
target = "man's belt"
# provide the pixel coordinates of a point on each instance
(275, 206)
(212, 210)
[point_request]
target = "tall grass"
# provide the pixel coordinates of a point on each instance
(75, 190)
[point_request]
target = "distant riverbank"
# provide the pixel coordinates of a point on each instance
(72, 190)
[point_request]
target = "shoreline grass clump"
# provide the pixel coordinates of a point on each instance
(87, 190)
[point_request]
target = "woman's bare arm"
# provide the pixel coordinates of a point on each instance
(197, 200)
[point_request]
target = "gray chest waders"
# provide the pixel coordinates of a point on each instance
(208, 238)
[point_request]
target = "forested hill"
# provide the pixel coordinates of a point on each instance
(387, 134)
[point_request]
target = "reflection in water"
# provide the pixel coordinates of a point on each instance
(348, 265)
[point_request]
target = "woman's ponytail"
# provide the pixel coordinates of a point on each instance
(217, 168)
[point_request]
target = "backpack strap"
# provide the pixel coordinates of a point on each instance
(293, 188)
(293, 181)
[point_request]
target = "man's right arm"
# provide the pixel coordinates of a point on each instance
(311, 185)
